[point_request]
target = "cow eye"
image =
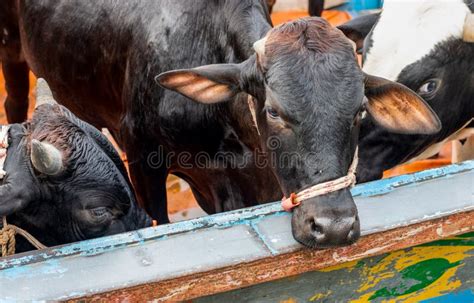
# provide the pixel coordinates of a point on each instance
(99, 212)
(429, 88)
(272, 113)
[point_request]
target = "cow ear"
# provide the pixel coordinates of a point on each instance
(398, 109)
(358, 28)
(206, 84)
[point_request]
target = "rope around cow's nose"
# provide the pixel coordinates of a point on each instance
(8, 241)
(323, 188)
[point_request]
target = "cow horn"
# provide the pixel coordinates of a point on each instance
(468, 35)
(259, 46)
(46, 158)
(44, 95)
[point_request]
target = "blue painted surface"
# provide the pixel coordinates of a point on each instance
(466, 296)
(387, 185)
(263, 238)
(246, 216)
(358, 6)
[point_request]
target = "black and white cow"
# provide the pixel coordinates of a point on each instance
(64, 181)
(427, 45)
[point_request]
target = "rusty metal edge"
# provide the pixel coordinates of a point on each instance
(295, 263)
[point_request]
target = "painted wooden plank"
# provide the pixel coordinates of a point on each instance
(180, 261)
(158, 260)
(286, 265)
(243, 216)
(441, 271)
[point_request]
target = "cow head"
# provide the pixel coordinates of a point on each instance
(431, 52)
(64, 180)
(309, 95)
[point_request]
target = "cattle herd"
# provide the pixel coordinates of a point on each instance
(210, 91)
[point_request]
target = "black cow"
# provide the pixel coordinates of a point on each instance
(315, 7)
(429, 47)
(64, 180)
(15, 69)
(101, 59)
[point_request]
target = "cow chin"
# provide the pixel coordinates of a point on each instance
(116, 227)
(126, 225)
(327, 221)
(135, 219)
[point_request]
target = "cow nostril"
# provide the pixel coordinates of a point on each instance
(317, 230)
(353, 234)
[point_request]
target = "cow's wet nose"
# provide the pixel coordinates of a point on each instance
(328, 232)
(327, 221)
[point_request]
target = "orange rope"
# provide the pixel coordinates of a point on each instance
(324, 188)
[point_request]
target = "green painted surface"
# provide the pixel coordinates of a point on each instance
(416, 277)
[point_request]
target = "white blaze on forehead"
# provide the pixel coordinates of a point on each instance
(408, 30)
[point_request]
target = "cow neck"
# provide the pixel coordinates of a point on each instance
(3, 148)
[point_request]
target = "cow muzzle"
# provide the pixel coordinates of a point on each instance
(327, 221)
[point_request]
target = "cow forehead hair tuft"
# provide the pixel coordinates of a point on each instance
(51, 125)
(306, 34)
